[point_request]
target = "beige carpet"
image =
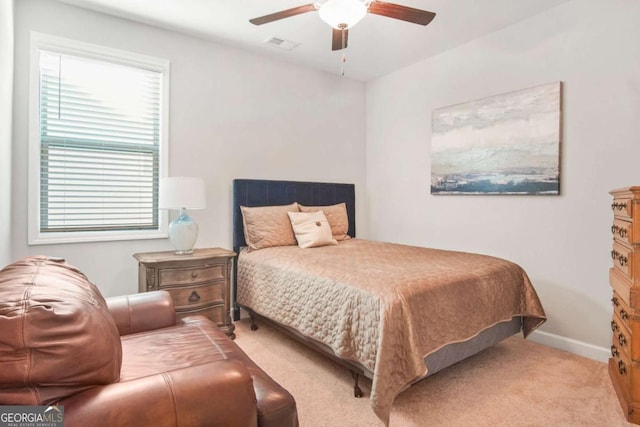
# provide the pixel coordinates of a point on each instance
(515, 383)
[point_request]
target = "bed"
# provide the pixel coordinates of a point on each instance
(393, 313)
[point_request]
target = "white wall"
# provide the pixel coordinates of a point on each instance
(563, 242)
(6, 96)
(232, 115)
(235, 114)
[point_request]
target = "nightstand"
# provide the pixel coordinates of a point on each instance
(199, 283)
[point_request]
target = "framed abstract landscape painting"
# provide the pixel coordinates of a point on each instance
(504, 144)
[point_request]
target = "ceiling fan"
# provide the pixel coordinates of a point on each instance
(341, 15)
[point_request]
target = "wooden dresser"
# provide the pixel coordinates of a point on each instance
(624, 277)
(199, 282)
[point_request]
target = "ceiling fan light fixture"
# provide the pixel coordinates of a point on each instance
(342, 14)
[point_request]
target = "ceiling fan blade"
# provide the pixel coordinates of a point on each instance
(403, 13)
(336, 41)
(283, 14)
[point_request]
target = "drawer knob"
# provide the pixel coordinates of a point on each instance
(618, 206)
(614, 326)
(194, 275)
(621, 368)
(615, 301)
(622, 340)
(614, 351)
(194, 297)
(614, 254)
(622, 260)
(624, 315)
(620, 231)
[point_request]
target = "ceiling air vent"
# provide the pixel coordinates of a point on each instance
(281, 43)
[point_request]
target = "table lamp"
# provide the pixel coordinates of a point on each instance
(182, 193)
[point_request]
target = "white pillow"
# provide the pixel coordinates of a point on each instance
(311, 229)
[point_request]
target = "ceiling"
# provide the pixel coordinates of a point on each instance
(377, 45)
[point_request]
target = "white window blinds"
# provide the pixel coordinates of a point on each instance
(99, 145)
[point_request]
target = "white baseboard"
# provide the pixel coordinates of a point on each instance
(601, 354)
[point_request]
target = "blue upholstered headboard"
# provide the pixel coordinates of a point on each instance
(258, 192)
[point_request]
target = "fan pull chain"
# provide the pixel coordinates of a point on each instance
(344, 55)
(344, 59)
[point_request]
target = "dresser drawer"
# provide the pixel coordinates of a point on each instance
(623, 207)
(625, 231)
(625, 288)
(215, 313)
(185, 276)
(195, 296)
(626, 328)
(626, 372)
(625, 259)
(629, 407)
(621, 309)
(622, 339)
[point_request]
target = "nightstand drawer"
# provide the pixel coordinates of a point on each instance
(194, 296)
(185, 276)
(215, 313)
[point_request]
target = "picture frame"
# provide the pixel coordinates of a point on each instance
(503, 144)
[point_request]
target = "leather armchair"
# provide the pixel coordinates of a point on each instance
(64, 343)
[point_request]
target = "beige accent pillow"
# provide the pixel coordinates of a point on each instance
(337, 217)
(311, 229)
(267, 226)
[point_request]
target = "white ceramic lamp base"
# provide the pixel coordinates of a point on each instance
(183, 232)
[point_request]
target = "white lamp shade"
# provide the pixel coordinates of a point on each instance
(345, 12)
(180, 192)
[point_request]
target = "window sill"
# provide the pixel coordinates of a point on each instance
(79, 237)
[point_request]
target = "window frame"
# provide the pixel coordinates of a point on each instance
(40, 41)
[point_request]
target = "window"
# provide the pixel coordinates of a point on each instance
(97, 135)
